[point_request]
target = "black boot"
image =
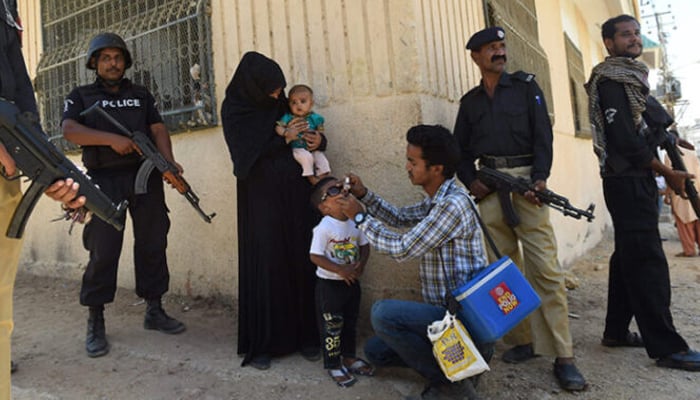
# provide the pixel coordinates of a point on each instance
(96, 339)
(157, 319)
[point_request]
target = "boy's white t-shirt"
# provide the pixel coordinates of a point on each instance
(338, 241)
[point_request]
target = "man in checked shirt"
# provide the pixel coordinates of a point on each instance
(443, 231)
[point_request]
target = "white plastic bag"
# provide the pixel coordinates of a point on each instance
(454, 349)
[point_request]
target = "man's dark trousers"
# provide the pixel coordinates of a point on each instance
(149, 217)
(639, 283)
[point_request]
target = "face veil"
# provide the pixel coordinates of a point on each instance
(248, 112)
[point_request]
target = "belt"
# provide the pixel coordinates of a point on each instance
(506, 161)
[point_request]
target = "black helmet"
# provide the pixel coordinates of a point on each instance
(103, 41)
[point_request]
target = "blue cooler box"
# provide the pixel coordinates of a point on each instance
(495, 301)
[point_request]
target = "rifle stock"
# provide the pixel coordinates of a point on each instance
(677, 162)
(153, 159)
(44, 164)
(501, 181)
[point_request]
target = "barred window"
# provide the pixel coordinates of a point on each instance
(170, 44)
(579, 98)
(519, 19)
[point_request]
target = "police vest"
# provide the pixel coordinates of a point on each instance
(128, 106)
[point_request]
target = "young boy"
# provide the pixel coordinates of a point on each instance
(340, 251)
(301, 101)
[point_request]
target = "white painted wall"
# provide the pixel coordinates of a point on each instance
(377, 67)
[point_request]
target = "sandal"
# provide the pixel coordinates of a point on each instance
(631, 340)
(342, 377)
(260, 362)
(682, 254)
(311, 353)
(360, 367)
(688, 360)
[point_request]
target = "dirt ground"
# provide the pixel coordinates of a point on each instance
(202, 363)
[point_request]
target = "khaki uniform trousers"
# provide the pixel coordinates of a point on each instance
(547, 328)
(10, 196)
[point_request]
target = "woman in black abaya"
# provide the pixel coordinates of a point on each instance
(276, 278)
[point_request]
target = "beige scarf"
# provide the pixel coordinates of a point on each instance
(633, 75)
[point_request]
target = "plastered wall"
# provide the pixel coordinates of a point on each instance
(377, 67)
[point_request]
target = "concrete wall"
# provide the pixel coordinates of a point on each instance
(377, 68)
(575, 171)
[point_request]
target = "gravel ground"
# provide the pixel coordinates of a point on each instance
(202, 363)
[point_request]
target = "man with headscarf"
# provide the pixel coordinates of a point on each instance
(628, 125)
(276, 278)
(112, 160)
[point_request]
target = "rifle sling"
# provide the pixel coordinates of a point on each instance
(509, 215)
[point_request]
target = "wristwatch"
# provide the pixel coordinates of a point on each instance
(359, 218)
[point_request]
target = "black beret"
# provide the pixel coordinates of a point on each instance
(484, 36)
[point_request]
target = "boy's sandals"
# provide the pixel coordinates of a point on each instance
(342, 377)
(360, 367)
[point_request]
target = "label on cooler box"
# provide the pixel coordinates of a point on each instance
(504, 297)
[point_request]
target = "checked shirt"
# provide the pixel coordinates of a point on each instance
(442, 230)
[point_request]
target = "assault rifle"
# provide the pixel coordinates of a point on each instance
(153, 159)
(504, 184)
(43, 164)
(674, 155)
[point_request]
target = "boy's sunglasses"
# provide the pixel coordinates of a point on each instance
(332, 192)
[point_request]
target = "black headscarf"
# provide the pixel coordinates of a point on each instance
(249, 113)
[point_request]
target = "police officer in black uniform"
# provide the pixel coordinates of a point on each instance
(112, 161)
(503, 123)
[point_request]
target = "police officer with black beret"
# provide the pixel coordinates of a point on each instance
(503, 124)
(112, 160)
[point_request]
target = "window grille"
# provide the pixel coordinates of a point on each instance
(170, 44)
(519, 19)
(579, 98)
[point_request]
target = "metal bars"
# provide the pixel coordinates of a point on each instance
(170, 43)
